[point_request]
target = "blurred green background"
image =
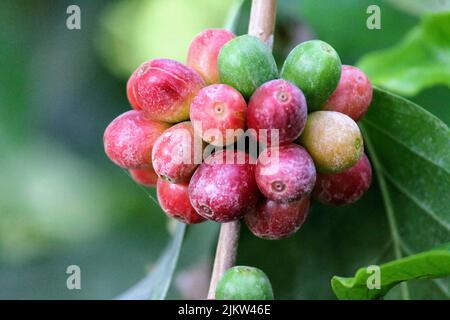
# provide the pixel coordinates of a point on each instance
(63, 202)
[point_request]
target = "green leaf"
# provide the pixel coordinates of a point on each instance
(156, 284)
(426, 265)
(418, 7)
(410, 152)
(421, 60)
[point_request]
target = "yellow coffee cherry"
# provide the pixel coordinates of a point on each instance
(333, 140)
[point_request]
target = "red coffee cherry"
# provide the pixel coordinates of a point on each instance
(146, 177)
(174, 200)
(276, 220)
(164, 89)
(352, 95)
(344, 187)
(204, 50)
(174, 153)
(217, 112)
(223, 188)
(277, 104)
(129, 138)
(131, 95)
(286, 173)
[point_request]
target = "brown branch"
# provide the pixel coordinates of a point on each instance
(262, 20)
(262, 25)
(225, 253)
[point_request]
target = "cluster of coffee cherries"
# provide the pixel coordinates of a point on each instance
(188, 122)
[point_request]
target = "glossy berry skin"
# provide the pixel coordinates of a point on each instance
(286, 173)
(177, 153)
(277, 220)
(344, 187)
(224, 188)
(352, 95)
(244, 283)
(204, 51)
(277, 104)
(245, 63)
(164, 89)
(131, 95)
(315, 67)
(216, 112)
(333, 140)
(129, 138)
(174, 200)
(146, 177)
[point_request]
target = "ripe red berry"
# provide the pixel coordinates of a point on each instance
(204, 50)
(129, 138)
(279, 105)
(217, 112)
(177, 153)
(164, 89)
(146, 177)
(352, 95)
(344, 187)
(276, 220)
(130, 85)
(223, 188)
(174, 200)
(286, 173)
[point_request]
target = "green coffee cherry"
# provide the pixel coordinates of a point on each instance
(244, 283)
(333, 140)
(245, 63)
(315, 67)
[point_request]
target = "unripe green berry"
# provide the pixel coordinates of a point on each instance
(333, 140)
(245, 63)
(244, 283)
(315, 67)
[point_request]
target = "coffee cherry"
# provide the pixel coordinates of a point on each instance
(174, 200)
(129, 138)
(352, 95)
(280, 105)
(344, 187)
(177, 153)
(244, 283)
(217, 112)
(146, 177)
(224, 188)
(333, 140)
(245, 63)
(314, 67)
(164, 89)
(276, 220)
(204, 50)
(131, 95)
(286, 173)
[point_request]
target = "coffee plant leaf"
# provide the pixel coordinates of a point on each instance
(156, 284)
(410, 153)
(419, 61)
(373, 282)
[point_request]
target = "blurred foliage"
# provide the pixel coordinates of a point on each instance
(419, 7)
(61, 200)
(421, 60)
(134, 31)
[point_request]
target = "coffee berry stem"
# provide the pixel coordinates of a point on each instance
(261, 25)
